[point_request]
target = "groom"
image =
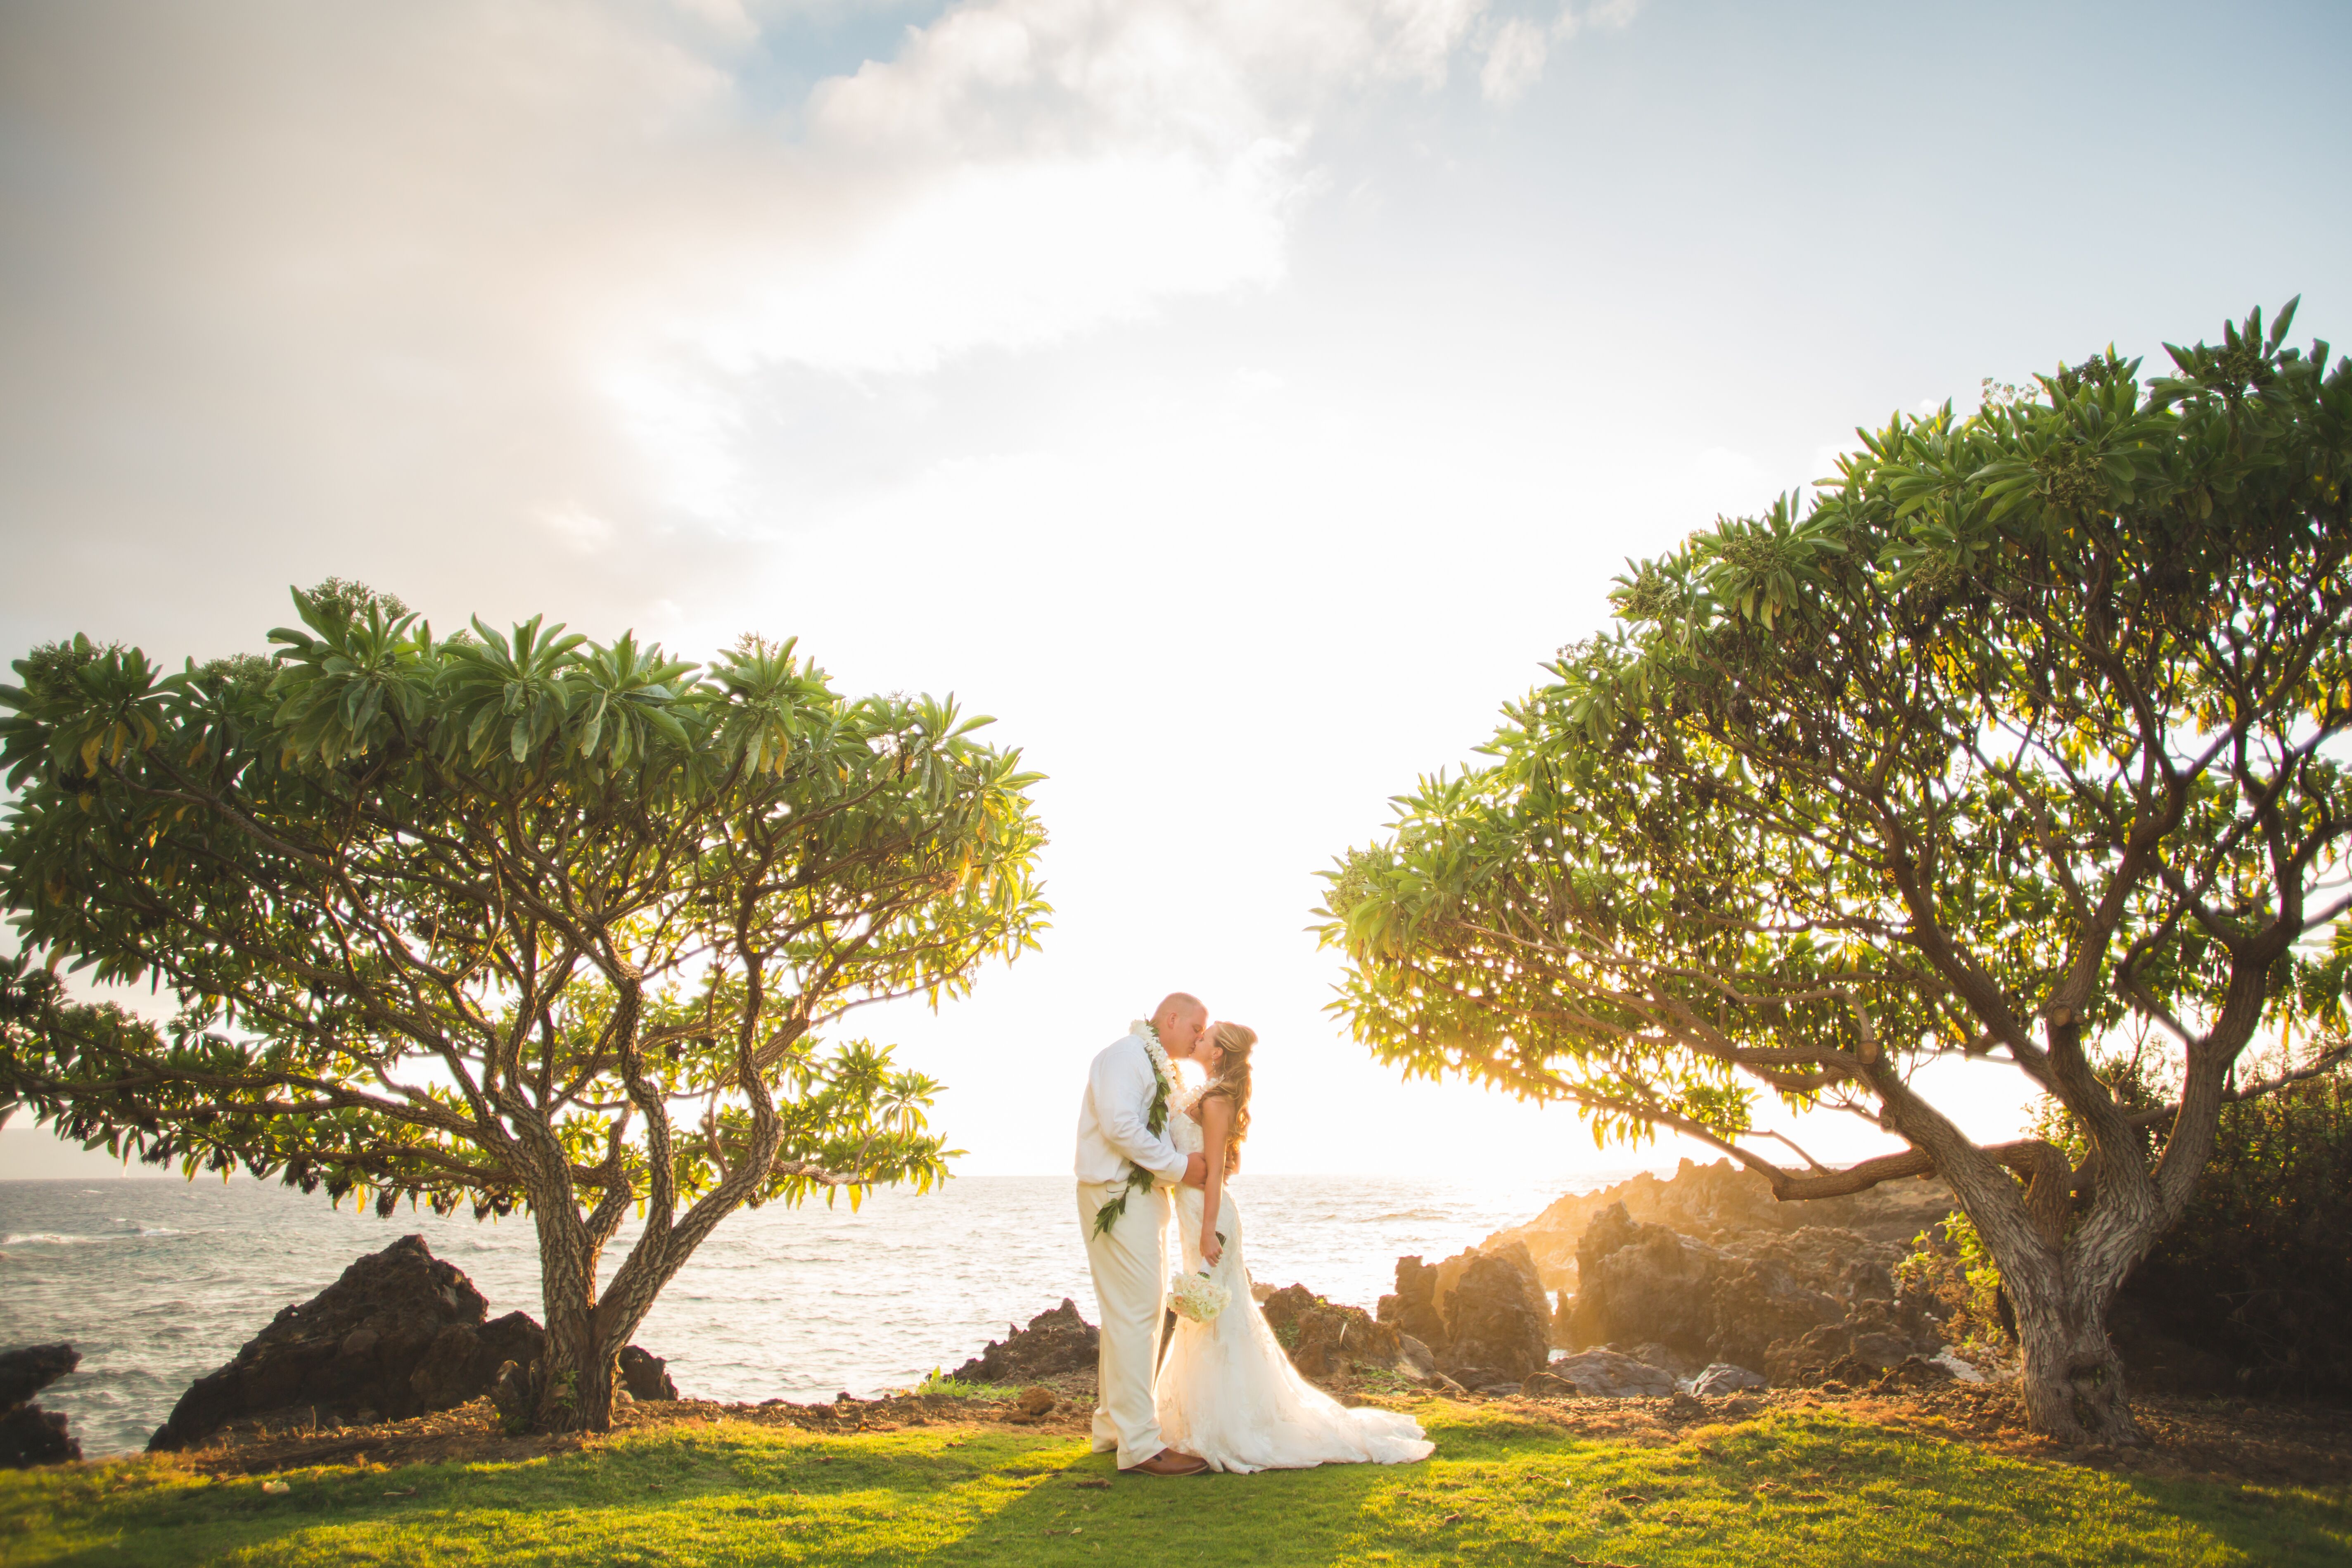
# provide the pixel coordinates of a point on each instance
(1114, 1134)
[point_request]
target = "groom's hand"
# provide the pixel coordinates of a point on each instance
(1196, 1170)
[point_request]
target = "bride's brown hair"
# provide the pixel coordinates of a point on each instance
(1233, 1082)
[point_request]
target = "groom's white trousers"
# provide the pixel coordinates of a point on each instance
(1130, 1283)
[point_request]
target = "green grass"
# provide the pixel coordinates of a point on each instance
(1792, 1489)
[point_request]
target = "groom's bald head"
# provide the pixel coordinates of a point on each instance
(1180, 1005)
(1180, 1018)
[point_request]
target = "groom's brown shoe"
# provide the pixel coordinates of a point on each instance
(1167, 1462)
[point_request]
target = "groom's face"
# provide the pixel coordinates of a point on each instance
(1181, 1031)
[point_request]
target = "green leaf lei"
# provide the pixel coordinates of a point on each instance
(1138, 1178)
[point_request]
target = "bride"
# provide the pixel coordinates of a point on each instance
(1227, 1392)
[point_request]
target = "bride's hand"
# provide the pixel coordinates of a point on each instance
(1212, 1249)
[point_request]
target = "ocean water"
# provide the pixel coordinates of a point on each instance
(159, 1281)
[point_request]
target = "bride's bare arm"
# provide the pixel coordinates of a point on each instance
(1216, 1126)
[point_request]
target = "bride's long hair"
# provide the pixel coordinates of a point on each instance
(1232, 1081)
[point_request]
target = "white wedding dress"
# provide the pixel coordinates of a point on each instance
(1228, 1393)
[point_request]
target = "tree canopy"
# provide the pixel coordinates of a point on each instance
(2026, 735)
(499, 920)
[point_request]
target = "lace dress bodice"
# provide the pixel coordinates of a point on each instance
(1183, 1130)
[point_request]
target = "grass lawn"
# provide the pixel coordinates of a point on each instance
(1791, 1489)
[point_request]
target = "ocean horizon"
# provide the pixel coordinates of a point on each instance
(159, 1281)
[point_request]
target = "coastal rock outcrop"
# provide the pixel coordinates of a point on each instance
(1413, 1309)
(1794, 1304)
(645, 1376)
(1483, 1315)
(25, 1372)
(1718, 1204)
(1642, 1282)
(29, 1435)
(1497, 1320)
(1703, 1272)
(1323, 1337)
(400, 1333)
(1056, 1341)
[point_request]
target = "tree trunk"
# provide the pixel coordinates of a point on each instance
(575, 1375)
(2073, 1381)
(576, 1389)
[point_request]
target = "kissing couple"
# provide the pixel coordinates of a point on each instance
(1226, 1397)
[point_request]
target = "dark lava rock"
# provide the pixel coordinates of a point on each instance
(400, 1333)
(1606, 1374)
(1497, 1317)
(1055, 1342)
(1726, 1206)
(1544, 1385)
(645, 1376)
(1753, 1303)
(1665, 1355)
(31, 1436)
(25, 1372)
(1725, 1378)
(1642, 1282)
(1836, 1353)
(1413, 1308)
(28, 1434)
(1322, 1338)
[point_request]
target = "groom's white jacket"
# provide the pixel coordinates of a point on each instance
(1113, 1125)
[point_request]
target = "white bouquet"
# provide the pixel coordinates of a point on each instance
(1192, 1296)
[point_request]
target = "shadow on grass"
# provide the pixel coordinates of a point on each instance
(717, 1495)
(2267, 1524)
(1068, 1516)
(1792, 1488)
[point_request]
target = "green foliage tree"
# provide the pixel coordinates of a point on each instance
(515, 920)
(2027, 735)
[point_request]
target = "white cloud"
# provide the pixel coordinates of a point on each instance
(1614, 14)
(412, 271)
(581, 529)
(1515, 61)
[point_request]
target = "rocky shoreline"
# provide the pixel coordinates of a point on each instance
(1700, 1284)
(1659, 1285)
(1695, 1288)
(29, 1435)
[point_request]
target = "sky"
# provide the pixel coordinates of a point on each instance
(1238, 401)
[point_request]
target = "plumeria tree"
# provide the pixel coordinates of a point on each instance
(2024, 741)
(509, 922)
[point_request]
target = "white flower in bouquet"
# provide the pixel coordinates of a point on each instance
(1192, 1296)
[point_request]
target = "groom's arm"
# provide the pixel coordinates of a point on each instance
(1123, 1090)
